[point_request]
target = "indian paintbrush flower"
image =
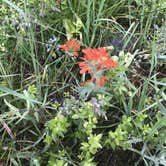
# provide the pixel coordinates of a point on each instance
(95, 61)
(71, 46)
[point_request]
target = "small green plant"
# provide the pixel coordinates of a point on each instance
(90, 148)
(67, 104)
(136, 130)
(57, 127)
(77, 125)
(33, 92)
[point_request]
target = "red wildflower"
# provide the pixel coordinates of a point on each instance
(95, 55)
(109, 63)
(99, 81)
(71, 46)
(84, 68)
(97, 59)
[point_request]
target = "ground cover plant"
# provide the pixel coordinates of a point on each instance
(82, 82)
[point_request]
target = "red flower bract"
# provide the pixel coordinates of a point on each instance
(84, 68)
(97, 59)
(71, 46)
(99, 81)
(95, 55)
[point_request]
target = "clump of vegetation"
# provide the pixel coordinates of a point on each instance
(79, 79)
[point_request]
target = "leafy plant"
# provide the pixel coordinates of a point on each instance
(81, 78)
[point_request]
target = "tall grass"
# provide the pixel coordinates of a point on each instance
(27, 62)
